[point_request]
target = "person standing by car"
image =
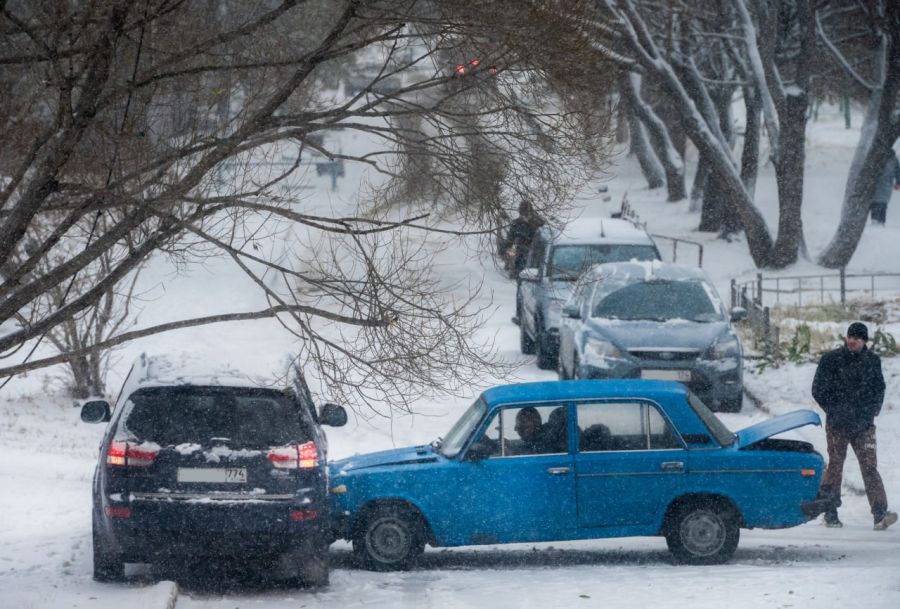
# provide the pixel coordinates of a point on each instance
(849, 387)
(514, 248)
(888, 180)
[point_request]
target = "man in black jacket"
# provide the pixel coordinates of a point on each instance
(849, 387)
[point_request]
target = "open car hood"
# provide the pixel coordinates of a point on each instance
(770, 427)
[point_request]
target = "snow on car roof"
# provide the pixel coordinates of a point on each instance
(601, 230)
(187, 369)
(645, 270)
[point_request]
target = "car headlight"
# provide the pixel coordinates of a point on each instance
(727, 347)
(596, 348)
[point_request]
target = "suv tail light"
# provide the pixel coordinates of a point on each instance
(302, 456)
(128, 455)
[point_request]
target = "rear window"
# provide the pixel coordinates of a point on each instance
(239, 417)
(570, 261)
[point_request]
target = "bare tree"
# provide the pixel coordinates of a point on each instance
(130, 111)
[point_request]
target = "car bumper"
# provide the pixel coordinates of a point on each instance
(156, 528)
(711, 384)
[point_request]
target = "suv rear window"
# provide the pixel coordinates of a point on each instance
(243, 417)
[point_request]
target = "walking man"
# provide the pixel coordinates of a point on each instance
(849, 387)
(888, 181)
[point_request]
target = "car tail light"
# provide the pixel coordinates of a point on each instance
(301, 515)
(302, 456)
(807, 472)
(128, 455)
(118, 511)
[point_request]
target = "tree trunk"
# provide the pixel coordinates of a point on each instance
(640, 146)
(659, 137)
(789, 178)
(750, 152)
(879, 132)
(699, 184)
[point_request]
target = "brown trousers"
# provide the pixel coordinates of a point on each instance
(863, 443)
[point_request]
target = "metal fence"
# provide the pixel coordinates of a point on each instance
(758, 295)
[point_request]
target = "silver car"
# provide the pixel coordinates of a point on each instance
(653, 320)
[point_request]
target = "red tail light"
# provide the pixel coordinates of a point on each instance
(128, 455)
(304, 456)
(118, 511)
(301, 515)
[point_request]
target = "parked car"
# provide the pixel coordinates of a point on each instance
(653, 320)
(555, 261)
(209, 464)
(606, 459)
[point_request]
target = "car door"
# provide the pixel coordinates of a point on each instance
(629, 463)
(521, 491)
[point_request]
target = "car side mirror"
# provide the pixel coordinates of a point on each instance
(95, 411)
(738, 314)
(529, 274)
(571, 311)
(333, 415)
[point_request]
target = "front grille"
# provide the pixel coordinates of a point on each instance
(665, 355)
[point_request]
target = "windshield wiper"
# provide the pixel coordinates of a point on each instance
(436, 444)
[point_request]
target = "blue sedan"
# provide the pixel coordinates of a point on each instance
(583, 459)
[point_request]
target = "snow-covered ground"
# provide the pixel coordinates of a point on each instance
(47, 457)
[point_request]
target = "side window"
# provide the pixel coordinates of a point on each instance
(532, 430)
(613, 426)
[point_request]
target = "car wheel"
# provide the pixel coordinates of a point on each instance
(526, 345)
(392, 539)
(108, 564)
(703, 534)
(546, 357)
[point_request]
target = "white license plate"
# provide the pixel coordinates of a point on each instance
(222, 475)
(683, 376)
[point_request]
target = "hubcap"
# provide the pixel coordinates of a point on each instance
(388, 540)
(703, 533)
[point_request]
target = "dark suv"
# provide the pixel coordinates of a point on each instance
(211, 465)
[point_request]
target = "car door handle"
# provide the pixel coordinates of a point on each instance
(672, 466)
(557, 471)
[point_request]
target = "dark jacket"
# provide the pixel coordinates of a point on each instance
(850, 388)
(890, 177)
(519, 236)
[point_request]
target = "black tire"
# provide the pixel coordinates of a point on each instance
(703, 533)
(313, 571)
(108, 564)
(561, 369)
(526, 345)
(546, 357)
(391, 539)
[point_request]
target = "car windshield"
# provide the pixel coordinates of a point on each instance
(240, 417)
(658, 301)
(568, 262)
(462, 429)
(723, 435)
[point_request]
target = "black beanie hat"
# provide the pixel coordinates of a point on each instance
(858, 330)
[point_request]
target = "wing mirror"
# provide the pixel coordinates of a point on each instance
(95, 411)
(571, 311)
(529, 274)
(738, 314)
(333, 415)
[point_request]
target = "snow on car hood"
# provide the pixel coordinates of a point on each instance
(770, 427)
(396, 456)
(674, 333)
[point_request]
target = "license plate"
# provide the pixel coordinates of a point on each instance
(221, 475)
(667, 375)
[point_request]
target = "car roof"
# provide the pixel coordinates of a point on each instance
(647, 270)
(598, 230)
(583, 390)
(185, 368)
